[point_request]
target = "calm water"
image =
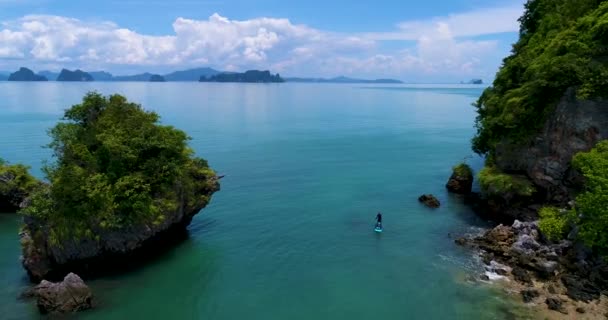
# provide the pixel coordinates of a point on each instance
(290, 235)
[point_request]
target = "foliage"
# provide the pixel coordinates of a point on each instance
(116, 166)
(563, 44)
(592, 203)
(16, 179)
(553, 223)
(495, 183)
(463, 170)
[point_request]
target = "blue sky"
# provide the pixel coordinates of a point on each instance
(419, 41)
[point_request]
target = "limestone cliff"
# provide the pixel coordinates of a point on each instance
(574, 126)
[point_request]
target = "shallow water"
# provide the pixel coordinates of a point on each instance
(290, 235)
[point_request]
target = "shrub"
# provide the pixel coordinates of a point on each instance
(495, 183)
(553, 223)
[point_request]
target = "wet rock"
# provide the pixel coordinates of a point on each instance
(429, 200)
(529, 295)
(461, 241)
(484, 277)
(70, 295)
(501, 272)
(580, 289)
(555, 304)
(521, 275)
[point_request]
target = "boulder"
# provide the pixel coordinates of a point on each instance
(529, 295)
(580, 310)
(521, 275)
(70, 295)
(580, 289)
(461, 181)
(555, 304)
(429, 200)
(499, 234)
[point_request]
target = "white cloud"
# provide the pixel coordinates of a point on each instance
(433, 47)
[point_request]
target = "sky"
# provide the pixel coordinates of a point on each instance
(415, 41)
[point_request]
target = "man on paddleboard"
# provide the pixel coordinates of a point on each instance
(379, 220)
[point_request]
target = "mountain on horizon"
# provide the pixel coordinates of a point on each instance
(101, 75)
(342, 79)
(136, 77)
(191, 74)
(50, 75)
(74, 76)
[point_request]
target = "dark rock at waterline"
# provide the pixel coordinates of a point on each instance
(461, 181)
(484, 277)
(429, 200)
(70, 295)
(555, 304)
(529, 295)
(521, 275)
(110, 249)
(501, 272)
(461, 241)
(580, 289)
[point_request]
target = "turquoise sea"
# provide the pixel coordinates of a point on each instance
(290, 235)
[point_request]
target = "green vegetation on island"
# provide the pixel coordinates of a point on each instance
(116, 166)
(546, 96)
(495, 183)
(16, 184)
(590, 213)
(251, 76)
(563, 44)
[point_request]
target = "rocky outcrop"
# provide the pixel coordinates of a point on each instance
(574, 126)
(582, 275)
(107, 249)
(157, 78)
(74, 76)
(461, 181)
(25, 74)
(429, 200)
(70, 295)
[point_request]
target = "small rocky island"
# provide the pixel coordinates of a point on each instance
(123, 185)
(25, 74)
(251, 76)
(74, 76)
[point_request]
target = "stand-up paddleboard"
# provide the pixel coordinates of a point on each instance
(378, 229)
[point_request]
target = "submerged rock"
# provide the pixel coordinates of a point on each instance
(70, 295)
(429, 200)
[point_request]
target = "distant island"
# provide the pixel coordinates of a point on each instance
(25, 74)
(342, 80)
(74, 76)
(196, 74)
(157, 78)
(251, 76)
(472, 81)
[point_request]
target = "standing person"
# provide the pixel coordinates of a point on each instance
(379, 220)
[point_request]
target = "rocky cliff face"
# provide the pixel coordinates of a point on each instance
(109, 249)
(574, 126)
